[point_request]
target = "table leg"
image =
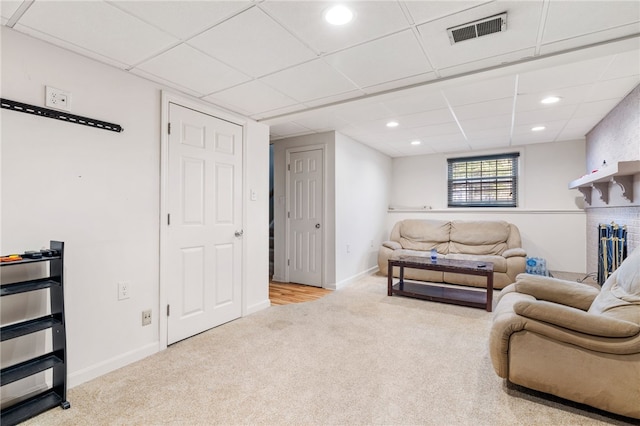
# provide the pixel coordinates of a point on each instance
(389, 279)
(490, 292)
(401, 282)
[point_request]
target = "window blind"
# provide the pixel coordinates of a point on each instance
(483, 181)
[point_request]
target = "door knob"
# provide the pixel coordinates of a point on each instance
(239, 233)
(317, 226)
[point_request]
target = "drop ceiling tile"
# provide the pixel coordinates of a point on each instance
(612, 89)
(373, 19)
(309, 81)
(400, 83)
(520, 35)
(487, 63)
(253, 97)
(389, 58)
(500, 135)
(569, 96)
(328, 100)
(190, 68)
(278, 112)
(522, 134)
(451, 147)
(483, 109)
(625, 64)
(8, 8)
(492, 122)
(415, 101)
(543, 116)
(563, 76)
(599, 108)
(570, 19)
(254, 43)
(593, 38)
(582, 125)
(485, 90)
(427, 118)
(425, 11)
(427, 132)
(97, 27)
(570, 135)
(182, 19)
(362, 111)
(71, 47)
(162, 81)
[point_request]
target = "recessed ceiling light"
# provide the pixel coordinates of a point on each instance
(392, 124)
(338, 15)
(537, 128)
(550, 100)
(415, 142)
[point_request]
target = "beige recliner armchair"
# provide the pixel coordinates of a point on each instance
(573, 340)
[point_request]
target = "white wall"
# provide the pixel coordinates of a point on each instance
(363, 177)
(550, 216)
(99, 192)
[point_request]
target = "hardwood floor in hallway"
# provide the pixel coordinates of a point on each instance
(285, 293)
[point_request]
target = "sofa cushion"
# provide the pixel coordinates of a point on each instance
(479, 237)
(621, 290)
(425, 235)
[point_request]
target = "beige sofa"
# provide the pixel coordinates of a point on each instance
(497, 242)
(573, 340)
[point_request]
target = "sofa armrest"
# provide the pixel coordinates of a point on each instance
(393, 245)
(575, 319)
(569, 293)
(507, 322)
(514, 252)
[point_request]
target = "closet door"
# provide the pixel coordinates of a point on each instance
(204, 223)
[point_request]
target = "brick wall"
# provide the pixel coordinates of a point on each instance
(615, 138)
(629, 216)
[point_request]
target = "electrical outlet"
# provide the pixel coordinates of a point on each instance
(146, 317)
(58, 99)
(123, 290)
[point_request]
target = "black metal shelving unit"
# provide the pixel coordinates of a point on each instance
(56, 360)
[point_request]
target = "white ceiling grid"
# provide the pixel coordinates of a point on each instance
(280, 63)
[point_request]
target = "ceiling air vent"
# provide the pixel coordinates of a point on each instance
(479, 28)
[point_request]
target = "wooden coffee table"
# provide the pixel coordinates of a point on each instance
(430, 291)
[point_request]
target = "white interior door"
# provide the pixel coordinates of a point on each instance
(306, 217)
(204, 243)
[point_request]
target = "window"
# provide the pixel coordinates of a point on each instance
(488, 181)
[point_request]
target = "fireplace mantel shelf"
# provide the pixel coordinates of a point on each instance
(621, 173)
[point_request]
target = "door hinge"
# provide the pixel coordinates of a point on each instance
(289, 167)
(169, 128)
(288, 215)
(288, 262)
(168, 310)
(169, 219)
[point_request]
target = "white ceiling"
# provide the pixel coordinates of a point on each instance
(278, 62)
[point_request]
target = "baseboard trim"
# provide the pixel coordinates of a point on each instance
(257, 307)
(89, 373)
(347, 281)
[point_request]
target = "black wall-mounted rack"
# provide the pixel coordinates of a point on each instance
(59, 115)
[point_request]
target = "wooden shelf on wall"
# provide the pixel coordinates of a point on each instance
(621, 174)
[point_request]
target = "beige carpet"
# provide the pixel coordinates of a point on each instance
(353, 357)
